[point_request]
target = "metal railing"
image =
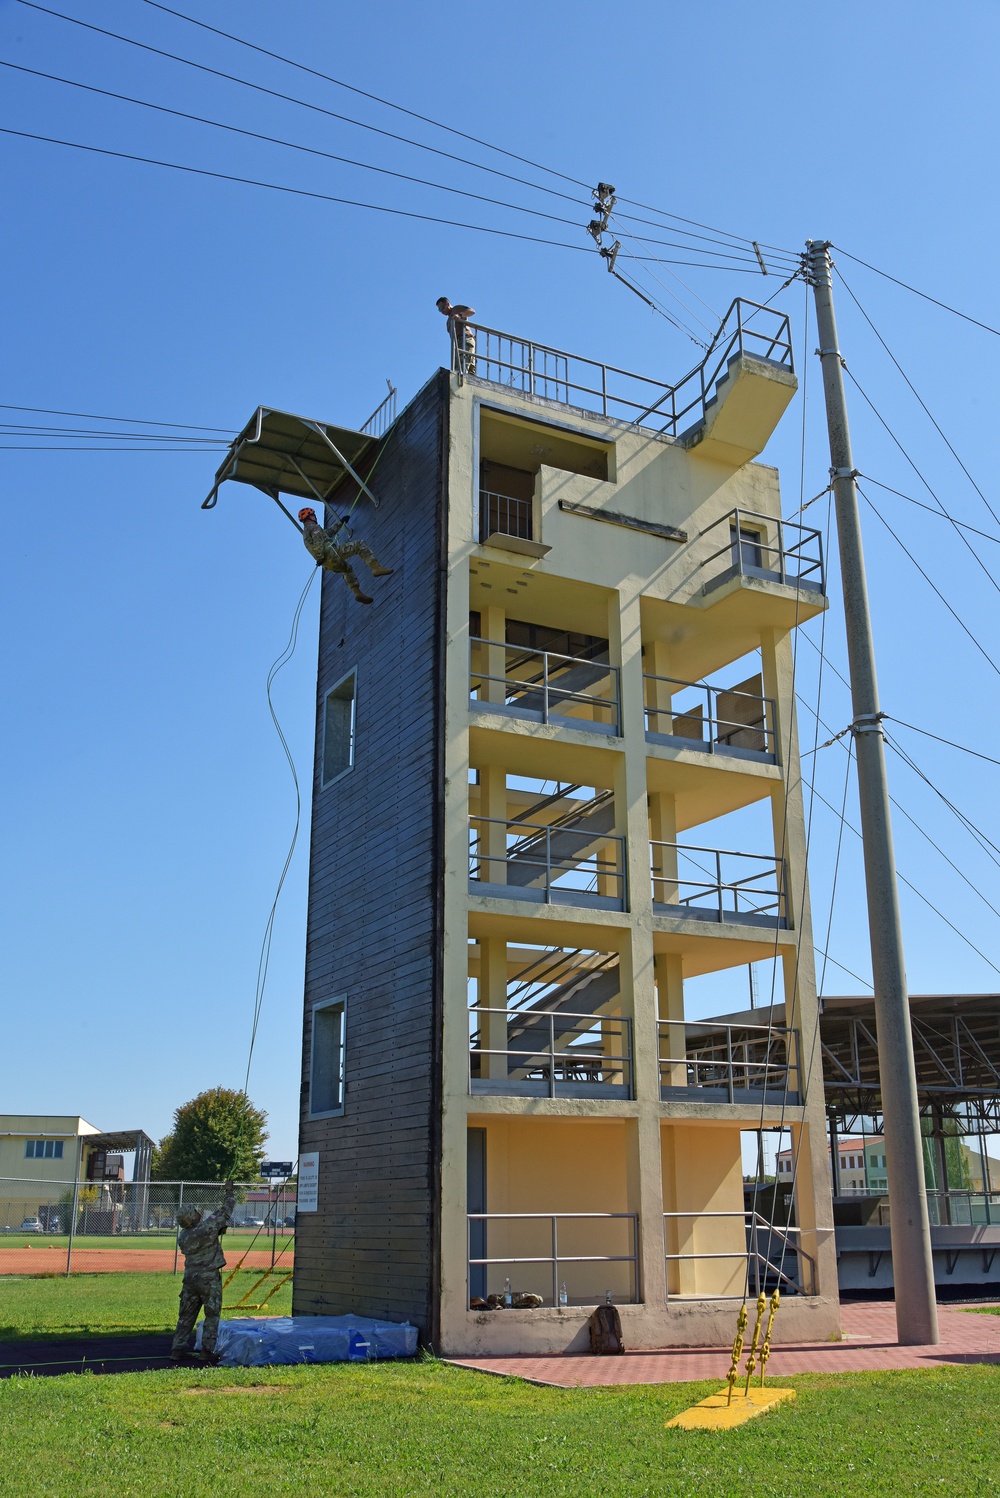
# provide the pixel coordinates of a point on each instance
(772, 1259)
(542, 685)
(536, 369)
(794, 557)
(550, 1053)
(715, 884)
(963, 1208)
(505, 515)
(731, 1063)
(583, 868)
(383, 415)
(718, 720)
(559, 1258)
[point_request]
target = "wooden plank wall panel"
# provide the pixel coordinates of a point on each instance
(372, 928)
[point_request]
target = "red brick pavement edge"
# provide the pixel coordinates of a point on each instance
(870, 1346)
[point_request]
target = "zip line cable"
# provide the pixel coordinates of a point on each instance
(927, 298)
(964, 539)
(919, 398)
(265, 946)
(55, 447)
(930, 509)
(933, 586)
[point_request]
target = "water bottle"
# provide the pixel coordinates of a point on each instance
(563, 1296)
(508, 1298)
(607, 1298)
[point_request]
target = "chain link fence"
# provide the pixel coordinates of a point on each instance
(62, 1227)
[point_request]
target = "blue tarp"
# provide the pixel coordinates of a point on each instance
(252, 1342)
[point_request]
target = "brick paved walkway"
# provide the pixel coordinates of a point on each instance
(870, 1329)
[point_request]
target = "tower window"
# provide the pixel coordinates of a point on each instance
(338, 729)
(326, 1072)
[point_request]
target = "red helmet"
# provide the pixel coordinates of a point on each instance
(307, 514)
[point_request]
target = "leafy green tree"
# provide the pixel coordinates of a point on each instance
(217, 1136)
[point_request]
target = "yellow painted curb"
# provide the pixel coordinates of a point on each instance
(716, 1413)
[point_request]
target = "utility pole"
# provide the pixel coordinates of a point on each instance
(912, 1265)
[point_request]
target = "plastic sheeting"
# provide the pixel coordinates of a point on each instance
(251, 1342)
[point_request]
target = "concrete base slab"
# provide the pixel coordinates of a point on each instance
(719, 1412)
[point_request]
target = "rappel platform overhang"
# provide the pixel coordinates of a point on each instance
(281, 453)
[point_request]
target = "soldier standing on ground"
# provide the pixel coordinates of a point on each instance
(460, 332)
(202, 1283)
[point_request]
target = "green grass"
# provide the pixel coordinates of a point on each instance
(85, 1304)
(429, 1431)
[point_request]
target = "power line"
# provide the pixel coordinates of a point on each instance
(59, 448)
(964, 539)
(290, 145)
(927, 298)
(933, 586)
(364, 93)
(903, 880)
(950, 742)
(750, 262)
(988, 846)
(17, 429)
(440, 125)
(923, 405)
(301, 192)
(938, 514)
(137, 421)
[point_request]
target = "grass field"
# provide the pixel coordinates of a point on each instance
(86, 1304)
(232, 1242)
(416, 1430)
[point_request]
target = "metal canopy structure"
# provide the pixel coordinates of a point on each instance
(280, 453)
(956, 1045)
(125, 1141)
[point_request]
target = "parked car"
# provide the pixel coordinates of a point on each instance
(32, 1225)
(252, 1222)
(290, 1220)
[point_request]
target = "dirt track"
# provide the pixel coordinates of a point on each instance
(43, 1260)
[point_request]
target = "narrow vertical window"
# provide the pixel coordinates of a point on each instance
(326, 1072)
(338, 729)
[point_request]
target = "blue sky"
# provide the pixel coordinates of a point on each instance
(148, 806)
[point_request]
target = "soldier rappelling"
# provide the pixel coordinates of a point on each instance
(335, 556)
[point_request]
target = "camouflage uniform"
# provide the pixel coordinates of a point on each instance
(202, 1282)
(334, 555)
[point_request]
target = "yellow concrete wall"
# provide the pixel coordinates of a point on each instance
(703, 1173)
(554, 1165)
(16, 1129)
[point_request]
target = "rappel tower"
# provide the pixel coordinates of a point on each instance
(557, 799)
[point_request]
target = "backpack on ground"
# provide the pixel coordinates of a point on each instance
(606, 1331)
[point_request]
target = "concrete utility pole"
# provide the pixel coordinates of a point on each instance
(912, 1265)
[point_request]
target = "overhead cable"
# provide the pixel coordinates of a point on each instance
(912, 887)
(922, 403)
(906, 287)
(363, 125)
(938, 514)
(301, 192)
(136, 421)
(440, 124)
(950, 518)
(932, 585)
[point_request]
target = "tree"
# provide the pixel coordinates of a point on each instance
(217, 1136)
